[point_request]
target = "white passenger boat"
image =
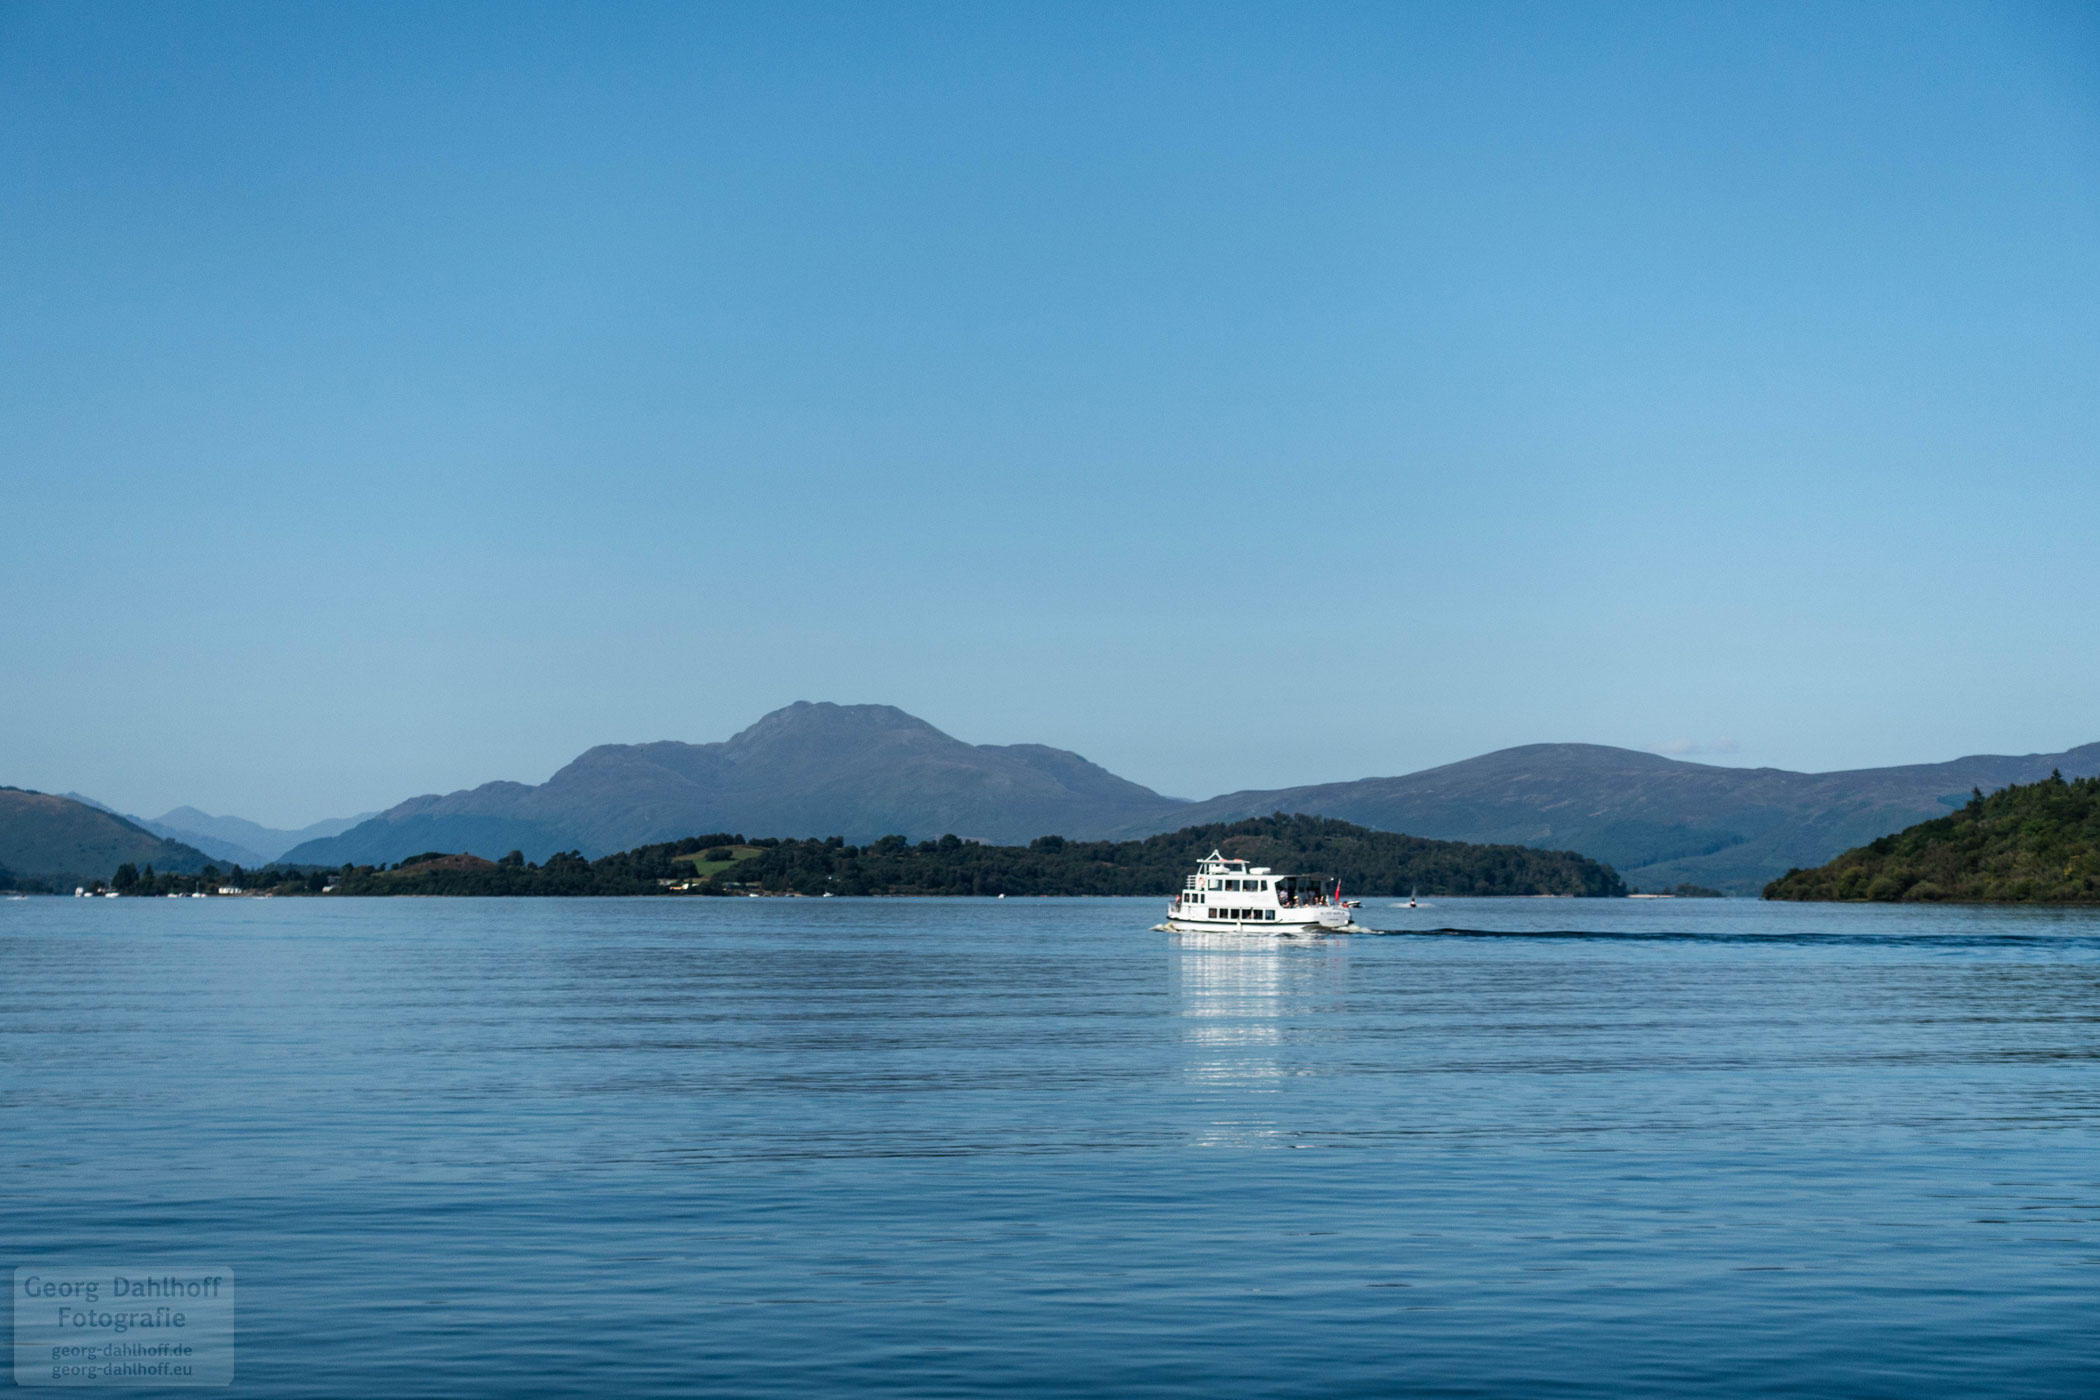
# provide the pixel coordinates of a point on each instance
(1231, 894)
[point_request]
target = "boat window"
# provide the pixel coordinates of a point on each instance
(1269, 914)
(1216, 885)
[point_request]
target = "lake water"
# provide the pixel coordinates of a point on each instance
(962, 1148)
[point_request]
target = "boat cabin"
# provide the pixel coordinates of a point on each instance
(1235, 891)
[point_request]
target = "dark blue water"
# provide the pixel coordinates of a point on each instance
(752, 1148)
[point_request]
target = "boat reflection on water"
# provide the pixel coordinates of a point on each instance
(1238, 995)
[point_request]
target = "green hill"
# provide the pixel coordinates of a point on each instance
(1367, 862)
(2031, 843)
(49, 842)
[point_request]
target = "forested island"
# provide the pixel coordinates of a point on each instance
(1366, 862)
(2028, 843)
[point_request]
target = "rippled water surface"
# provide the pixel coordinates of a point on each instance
(927, 1148)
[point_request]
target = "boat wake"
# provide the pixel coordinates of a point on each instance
(1801, 938)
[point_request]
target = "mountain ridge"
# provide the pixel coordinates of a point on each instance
(234, 839)
(856, 771)
(237, 838)
(866, 771)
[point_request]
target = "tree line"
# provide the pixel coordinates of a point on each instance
(1366, 862)
(271, 879)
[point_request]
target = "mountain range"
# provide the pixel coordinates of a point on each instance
(866, 771)
(233, 840)
(857, 771)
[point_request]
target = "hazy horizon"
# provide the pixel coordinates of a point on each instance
(398, 400)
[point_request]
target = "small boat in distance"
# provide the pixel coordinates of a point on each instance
(1225, 893)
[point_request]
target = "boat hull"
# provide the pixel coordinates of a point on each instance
(1323, 921)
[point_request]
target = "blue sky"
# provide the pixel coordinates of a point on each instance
(398, 398)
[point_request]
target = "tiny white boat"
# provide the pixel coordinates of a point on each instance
(1231, 894)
